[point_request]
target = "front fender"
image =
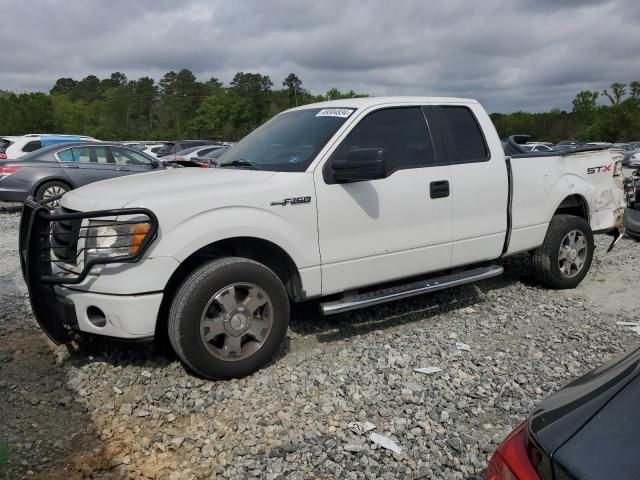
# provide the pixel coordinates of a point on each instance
(293, 229)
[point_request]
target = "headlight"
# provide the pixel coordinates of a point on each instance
(110, 239)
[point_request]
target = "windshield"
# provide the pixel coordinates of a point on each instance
(288, 142)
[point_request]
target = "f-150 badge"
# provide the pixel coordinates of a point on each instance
(293, 201)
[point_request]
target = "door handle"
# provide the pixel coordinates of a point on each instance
(71, 166)
(439, 189)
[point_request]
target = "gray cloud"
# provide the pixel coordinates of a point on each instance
(525, 54)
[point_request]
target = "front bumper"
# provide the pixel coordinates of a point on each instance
(59, 309)
(131, 317)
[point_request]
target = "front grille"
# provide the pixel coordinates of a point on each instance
(64, 237)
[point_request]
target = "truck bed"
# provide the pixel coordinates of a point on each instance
(588, 174)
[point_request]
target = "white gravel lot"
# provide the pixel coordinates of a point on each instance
(117, 411)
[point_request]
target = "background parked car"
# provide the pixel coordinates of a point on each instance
(57, 169)
(586, 430)
(632, 160)
(537, 147)
(196, 152)
(137, 145)
(210, 160)
(32, 142)
(4, 144)
(168, 151)
(152, 149)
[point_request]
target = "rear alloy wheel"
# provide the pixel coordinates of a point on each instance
(564, 258)
(51, 189)
(573, 253)
(228, 318)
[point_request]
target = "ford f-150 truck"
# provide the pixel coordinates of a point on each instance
(356, 202)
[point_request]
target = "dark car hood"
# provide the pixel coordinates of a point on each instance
(590, 399)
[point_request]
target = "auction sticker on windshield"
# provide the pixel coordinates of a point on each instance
(335, 112)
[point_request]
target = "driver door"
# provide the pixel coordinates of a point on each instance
(398, 226)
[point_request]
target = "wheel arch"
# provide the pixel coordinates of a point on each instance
(260, 250)
(574, 204)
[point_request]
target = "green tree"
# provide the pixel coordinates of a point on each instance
(294, 85)
(223, 115)
(255, 88)
(335, 94)
(618, 90)
(63, 86)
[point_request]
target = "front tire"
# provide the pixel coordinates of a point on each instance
(564, 258)
(228, 318)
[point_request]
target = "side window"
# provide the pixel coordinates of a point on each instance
(66, 155)
(90, 155)
(126, 156)
(401, 132)
(466, 135)
(32, 146)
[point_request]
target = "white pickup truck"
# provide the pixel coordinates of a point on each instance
(356, 201)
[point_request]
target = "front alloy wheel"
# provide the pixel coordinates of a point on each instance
(228, 317)
(236, 321)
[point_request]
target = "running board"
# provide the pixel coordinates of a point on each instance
(354, 301)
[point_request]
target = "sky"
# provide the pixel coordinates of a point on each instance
(530, 55)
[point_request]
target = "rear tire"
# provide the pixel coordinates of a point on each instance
(228, 318)
(563, 260)
(51, 189)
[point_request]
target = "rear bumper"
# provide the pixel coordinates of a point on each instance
(131, 317)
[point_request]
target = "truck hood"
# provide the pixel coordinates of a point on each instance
(149, 188)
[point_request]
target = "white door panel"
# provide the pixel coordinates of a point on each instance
(386, 223)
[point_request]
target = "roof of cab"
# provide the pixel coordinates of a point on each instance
(366, 102)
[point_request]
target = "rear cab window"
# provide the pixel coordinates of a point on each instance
(463, 137)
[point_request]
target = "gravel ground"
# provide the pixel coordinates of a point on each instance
(115, 411)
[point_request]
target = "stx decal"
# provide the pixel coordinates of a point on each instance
(293, 201)
(599, 169)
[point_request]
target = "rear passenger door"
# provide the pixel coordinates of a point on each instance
(129, 161)
(85, 165)
(479, 183)
(394, 227)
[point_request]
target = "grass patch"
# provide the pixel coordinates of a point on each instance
(4, 452)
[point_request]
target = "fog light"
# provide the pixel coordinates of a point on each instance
(96, 316)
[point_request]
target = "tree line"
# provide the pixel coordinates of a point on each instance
(616, 120)
(180, 106)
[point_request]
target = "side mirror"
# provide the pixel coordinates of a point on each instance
(360, 165)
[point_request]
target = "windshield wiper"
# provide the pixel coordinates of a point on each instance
(241, 162)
